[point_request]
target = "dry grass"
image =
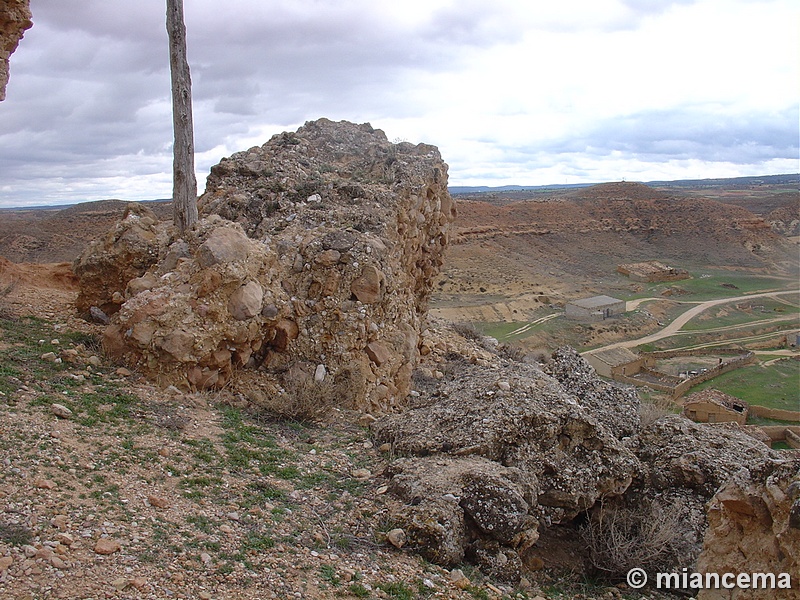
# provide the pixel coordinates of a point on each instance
(306, 400)
(651, 536)
(650, 412)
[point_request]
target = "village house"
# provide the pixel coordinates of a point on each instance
(714, 406)
(615, 362)
(596, 308)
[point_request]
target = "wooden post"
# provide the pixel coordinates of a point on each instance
(184, 183)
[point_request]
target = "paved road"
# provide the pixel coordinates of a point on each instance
(685, 317)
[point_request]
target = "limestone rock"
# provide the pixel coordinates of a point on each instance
(367, 287)
(15, 18)
(396, 537)
(750, 528)
(107, 265)
(683, 454)
(443, 493)
(536, 427)
(107, 546)
(60, 411)
(224, 245)
(319, 247)
(245, 303)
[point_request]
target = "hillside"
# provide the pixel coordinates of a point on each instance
(571, 244)
(46, 235)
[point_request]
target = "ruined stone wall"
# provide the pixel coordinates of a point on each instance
(15, 18)
(313, 260)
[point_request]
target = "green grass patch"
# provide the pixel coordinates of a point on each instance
(710, 284)
(397, 590)
(774, 386)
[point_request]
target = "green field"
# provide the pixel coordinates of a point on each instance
(707, 284)
(763, 311)
(774, 386)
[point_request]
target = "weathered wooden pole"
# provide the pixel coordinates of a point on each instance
(184, 183)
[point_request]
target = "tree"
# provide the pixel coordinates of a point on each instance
(184, 183)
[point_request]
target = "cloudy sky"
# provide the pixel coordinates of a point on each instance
(528, 92)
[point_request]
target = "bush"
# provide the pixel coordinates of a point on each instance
(650, 412)
(306, 400)
(468, 331)
(653, 536)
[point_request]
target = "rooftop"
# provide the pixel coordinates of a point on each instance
(717, 397)
(615, 356)
(595, 301)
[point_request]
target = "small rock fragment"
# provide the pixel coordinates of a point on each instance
(460, 580)
(158, 502)
(396, 537)
(60, 411)
(107, 546)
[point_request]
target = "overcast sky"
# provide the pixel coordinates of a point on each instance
(527, 92)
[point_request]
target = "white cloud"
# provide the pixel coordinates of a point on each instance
(512, 91)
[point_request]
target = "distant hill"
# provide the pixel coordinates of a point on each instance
(732, 182)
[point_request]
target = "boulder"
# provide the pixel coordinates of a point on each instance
(107, 265)
(535, 426)
(319, 247)
(750, 528)
(682, 454)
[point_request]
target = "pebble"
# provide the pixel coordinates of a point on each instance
(361, 473)
(107, 546)
(60, 411)
(6, 562)
(158, 502)
(460, 580)
(396, 537)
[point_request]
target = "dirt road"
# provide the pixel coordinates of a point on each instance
(681, 320)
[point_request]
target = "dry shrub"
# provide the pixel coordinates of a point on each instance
(512, 352)
(652, 536)
(307, 400)
(652, 411)
(468, 331)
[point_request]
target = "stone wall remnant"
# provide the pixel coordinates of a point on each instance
(318, 248)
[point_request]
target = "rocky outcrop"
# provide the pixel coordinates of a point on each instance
(313, 261)
(699, 457)
(754, 527)
(126, 252)
(495, 454)
(503, 451)
(15, 18)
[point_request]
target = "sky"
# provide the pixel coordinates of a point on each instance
(525, 92)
